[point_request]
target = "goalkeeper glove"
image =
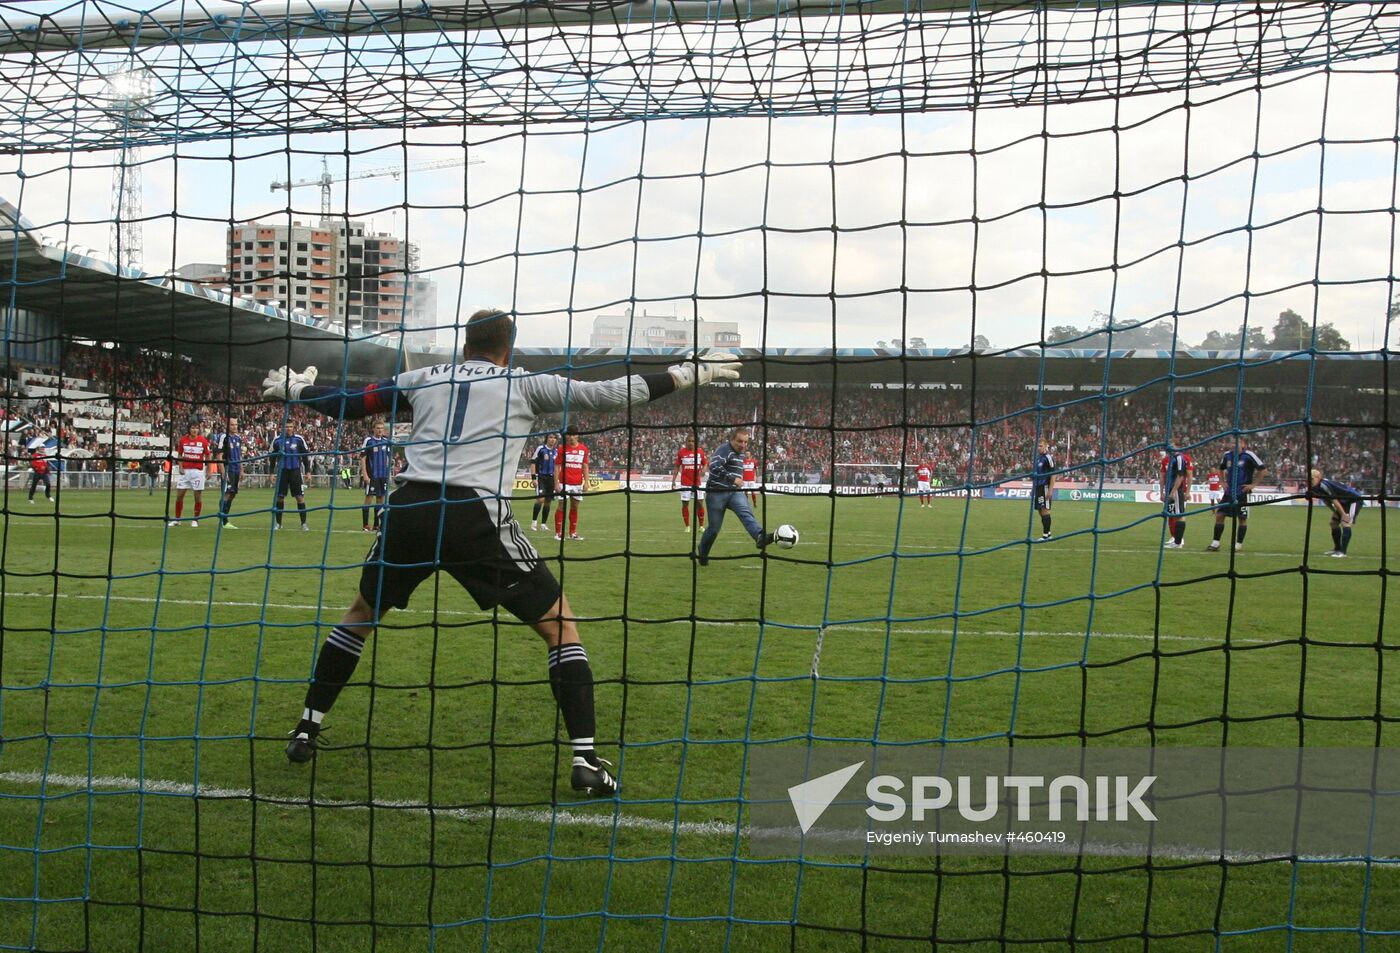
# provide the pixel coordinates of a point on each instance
(698, 371)
(286, 384)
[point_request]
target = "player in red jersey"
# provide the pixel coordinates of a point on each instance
(192, 452)
(572, 467)
(923, 482)
(751, 478)
(39, 468)
(1215, 489)
(691, 468)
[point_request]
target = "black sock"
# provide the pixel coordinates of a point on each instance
(1180, 533)
(301, 511)
(364, 516)
(339, 655)
(571, 679)
(1239, 535)
(1045, 522)
(277, 511)
(378, 514)
(544, 515)
(1336, 537)
(535, 512)
(1219, 529)
(1346, 538)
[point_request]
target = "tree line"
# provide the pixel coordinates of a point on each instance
(1290, 333)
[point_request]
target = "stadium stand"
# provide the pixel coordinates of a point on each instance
(116, 406)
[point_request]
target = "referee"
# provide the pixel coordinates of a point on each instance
(542, 467)
(453, 513)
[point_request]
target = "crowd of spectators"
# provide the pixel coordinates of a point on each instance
(165, 394)
(804, 434)
(811, 434)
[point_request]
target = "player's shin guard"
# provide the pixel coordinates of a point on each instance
(685, 513)
(364, 516)
(179, 508)
(535, 511)
(559, 521)
(1239, 534)
(334, 666)
(700, 515)
(571, 680)
(198, 508)
(1179, 532)
(1045, 522)
(573, 520)
(1219, 530)
(1346, 539)
(301, 511)
(1336, 538)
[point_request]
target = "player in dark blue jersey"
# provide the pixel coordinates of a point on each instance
(1043, 486)
(289, 453)
(1239, 468)
(229, 448)
(1177, 470)
(1345, 502)
(542, 470)
(376, 466)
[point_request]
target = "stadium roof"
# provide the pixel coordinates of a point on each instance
(96, 300)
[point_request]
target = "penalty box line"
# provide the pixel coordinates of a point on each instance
(814, 629)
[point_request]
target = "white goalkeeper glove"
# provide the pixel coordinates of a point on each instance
(700, 371)
(287, 384)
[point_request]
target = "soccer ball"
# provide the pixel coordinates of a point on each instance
(786, 536)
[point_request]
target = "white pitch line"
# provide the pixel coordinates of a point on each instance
(561, 816)
(831, 627)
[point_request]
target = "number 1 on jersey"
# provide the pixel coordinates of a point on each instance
(459, 409)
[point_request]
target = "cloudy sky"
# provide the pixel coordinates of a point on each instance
(806, 230)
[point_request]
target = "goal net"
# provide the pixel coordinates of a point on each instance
(1040, 249)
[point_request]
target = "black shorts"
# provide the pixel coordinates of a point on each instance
(1236, 505)
(289, 482)
(546, 485)
(377, 486)
(231, 480)
(1175, 503)
(1352, 509)
(429, 527)
(1041, 496)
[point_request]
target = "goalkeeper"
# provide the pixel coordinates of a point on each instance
(453, 510)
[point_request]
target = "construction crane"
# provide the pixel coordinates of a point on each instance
(325, 179)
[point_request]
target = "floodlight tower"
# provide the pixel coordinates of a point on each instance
(127, 97)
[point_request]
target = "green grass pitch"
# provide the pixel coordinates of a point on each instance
(179, 657)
